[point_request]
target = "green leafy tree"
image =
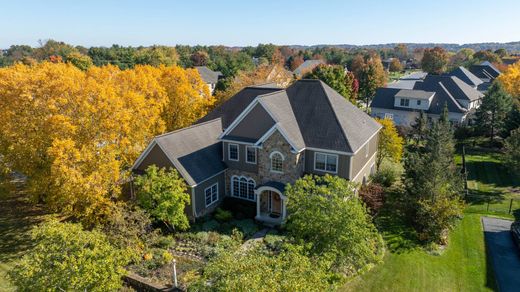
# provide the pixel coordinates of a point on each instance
(326, 215)
(335, 77)
(492, 113)
(68, 258)
(512, 151)
(434, 61)
(501, 53)
(83, 62)
(432, 183)
(163, 194)
(395, 66)
(487, 56)
(390, 145)
(257, 270)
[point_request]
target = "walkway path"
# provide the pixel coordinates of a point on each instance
(505, 256)
(258, 236)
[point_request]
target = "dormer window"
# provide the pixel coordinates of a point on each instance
(233, 152)
(276, 162)
(405, 102)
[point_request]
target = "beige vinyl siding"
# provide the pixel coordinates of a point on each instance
(241, 163)
(342, 167)
(254, 125)
(155, 157)
(360, 159)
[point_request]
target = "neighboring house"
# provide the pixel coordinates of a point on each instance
(307, 67)
(466, 76)
(209, 77)
(429, 95)
(262, 139)
(486, 72)
(280, 76)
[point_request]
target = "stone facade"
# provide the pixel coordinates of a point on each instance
(293, 165)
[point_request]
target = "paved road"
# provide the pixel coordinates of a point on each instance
(504, 255)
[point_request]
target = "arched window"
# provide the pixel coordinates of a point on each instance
(276, 161)
(243, 187)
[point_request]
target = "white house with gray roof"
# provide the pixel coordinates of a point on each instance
(248, 149)
(209, 77)
(428, 94)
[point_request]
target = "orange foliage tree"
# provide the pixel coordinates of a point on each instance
(73, 133)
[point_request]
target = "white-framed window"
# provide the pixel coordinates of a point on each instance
(243, 187)
(326, 162)
(211, 194)
(276, 161)
(251, 154)
(405, 102)
(233, 152)
(389, 116)
(418, 102)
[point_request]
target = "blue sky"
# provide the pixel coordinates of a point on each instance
(239, 23)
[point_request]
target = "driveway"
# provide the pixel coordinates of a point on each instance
(504, 255)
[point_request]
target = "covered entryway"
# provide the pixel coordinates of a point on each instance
(271, 203)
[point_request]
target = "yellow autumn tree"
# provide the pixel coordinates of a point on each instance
(390, 145)
(75, 133)
(510, 78)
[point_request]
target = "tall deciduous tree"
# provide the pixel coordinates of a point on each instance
(163, 194)
(335, 77)
(390, 145)
(512, 151)
(493, 111)
(73, 132)
(326, 215)
(395, 66)
(435, 60)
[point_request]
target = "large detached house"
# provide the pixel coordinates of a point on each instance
(403, 101)
(263, 138)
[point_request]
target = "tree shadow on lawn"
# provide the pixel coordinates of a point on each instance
(478, 197)
(17, 217)
(394, 225)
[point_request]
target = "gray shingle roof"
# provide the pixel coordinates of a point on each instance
(485, 71)
(231, 109)
(447, 90)
(195, 151)
(327, 120)
(307, 66)
(466, 76)
(209, 76)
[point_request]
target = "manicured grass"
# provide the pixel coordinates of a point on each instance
(17, 217)
(463, 266)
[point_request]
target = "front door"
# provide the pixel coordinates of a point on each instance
(276, 203)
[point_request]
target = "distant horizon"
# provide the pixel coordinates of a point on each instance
(247, 23)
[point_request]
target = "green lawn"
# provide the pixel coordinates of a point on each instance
(17, 217)
(463, 266)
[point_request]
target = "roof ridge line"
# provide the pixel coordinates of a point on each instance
(187, 128)
(335, 115)
(451, 97)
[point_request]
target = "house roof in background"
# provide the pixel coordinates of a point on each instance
(195, 151)
(485, 71)
(466, 76)
(410, 93)
(307, 66)
(209, 76)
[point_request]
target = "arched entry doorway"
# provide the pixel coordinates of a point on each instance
(270, 204)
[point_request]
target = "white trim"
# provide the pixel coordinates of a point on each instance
(209, 178)
(145, 153)
(322, 170)
(271, 161)
(268, 188)
(229, 152)
(238, 142)
(239, 118)
(248, 180)
(354, 178)
(249, 162)
(211, 195)
(329, 151)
